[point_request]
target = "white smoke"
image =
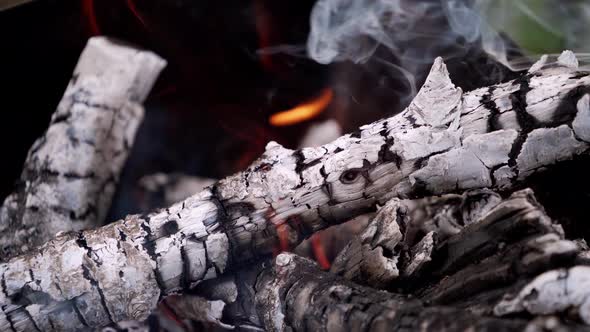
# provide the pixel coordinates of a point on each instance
(352, 29)
(418, 31)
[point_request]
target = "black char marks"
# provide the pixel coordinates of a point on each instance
(526, 121)
(301, 166)
(327, 187)
(150, 248)
(488, 101)
(355, 134)
(170, 227)
(88, 276)
(385, 155)
(567, 109)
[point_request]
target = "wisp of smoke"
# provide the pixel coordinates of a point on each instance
(412, 30)
(415, 32)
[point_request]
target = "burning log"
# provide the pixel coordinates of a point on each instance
(445, 141)
(71, 172)
(510, 243)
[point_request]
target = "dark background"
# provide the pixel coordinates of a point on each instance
(207, 114)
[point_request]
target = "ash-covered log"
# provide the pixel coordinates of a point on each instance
(71, 172)
(445, 141)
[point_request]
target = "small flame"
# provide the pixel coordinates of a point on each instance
(303, 112)
(319, 251)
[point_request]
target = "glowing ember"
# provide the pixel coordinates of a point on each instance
(170, 314)
(283, 234)
(303, 112)
(319, 252)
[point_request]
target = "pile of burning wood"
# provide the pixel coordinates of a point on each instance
(455, 241)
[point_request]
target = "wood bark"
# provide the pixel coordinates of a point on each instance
(506, 243)
(512, 243)
(284, 297)
(453, 230)
(185, 313)
(70, 173)
(553, 292)
(445, 141)
(500, 245)
(294, 295)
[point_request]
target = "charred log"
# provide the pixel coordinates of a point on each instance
(442, 143)
(285, 300)
(70, 173)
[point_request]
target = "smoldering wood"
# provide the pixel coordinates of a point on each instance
(509, 246)
(446, 215)
(475, 285)
(333, 239)
(510, 241)
(284, 300)
(177, 315)
(483, 224)
(372, 257)
(445, 141)
(70, 173)
(235, 290)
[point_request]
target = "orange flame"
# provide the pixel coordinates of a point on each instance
(303, 112)
(319, 251)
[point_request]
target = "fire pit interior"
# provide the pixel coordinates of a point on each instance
(295, 165)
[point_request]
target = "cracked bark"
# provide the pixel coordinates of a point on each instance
(553, 292)
(498, 246)
(509, 242)
(440, 144)
(70, 173)
(284, 298)
(495, 244)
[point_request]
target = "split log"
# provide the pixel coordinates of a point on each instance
(501, 245)
(482, 225)
(284, 297)
(478, 284)
(372, 257)
(445, 141)
(70, 173)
